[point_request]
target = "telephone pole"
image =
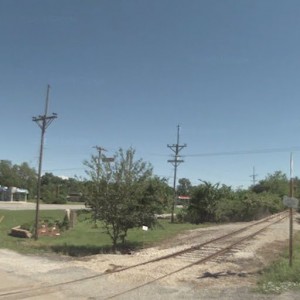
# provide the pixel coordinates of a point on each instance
(253, 176)
(43, 121)
(176, 148)
(99, 149)
(291, 211)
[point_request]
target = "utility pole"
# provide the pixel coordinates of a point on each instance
(253, 176)
(99, 149)
(176, 148)
(291, 211)
(43, 121)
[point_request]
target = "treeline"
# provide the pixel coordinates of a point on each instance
(208, 202)
(123, 193)
(54, 189)
(220, 203)
(21, 176)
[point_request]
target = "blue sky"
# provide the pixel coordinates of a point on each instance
(125, 73)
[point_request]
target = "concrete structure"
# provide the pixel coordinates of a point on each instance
(13, 194)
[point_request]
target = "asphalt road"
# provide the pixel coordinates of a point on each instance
(32, 206)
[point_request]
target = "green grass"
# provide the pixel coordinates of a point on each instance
(14, 218)
(280, 276)
(164, 230)
(84, 239)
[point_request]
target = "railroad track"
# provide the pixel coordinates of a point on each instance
(194, 255)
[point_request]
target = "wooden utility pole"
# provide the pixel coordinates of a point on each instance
(291, 211)
(43, 122)
(253, 176)
(99, 149)
(176, 148)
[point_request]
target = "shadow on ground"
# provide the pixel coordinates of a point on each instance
(79, 251)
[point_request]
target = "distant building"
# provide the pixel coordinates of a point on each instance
(183, 200)
(13, 194)
(74, 197)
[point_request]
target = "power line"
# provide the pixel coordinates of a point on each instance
(242, 152)
(176, 148)
(236, 152)
(65, 169)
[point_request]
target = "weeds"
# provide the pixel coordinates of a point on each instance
(271, 287)
(280, 277)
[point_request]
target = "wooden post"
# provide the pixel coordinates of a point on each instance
(291, 213)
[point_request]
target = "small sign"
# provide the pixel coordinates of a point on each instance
(145, 228)
(290, 202)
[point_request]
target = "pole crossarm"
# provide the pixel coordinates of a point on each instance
(44, 120)
(176, 148)
(175, 162)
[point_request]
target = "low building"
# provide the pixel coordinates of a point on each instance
(74, 197)
(183, 200)
(11, 194)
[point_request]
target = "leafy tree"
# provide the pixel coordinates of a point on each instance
(162, 191)
(8, 176)
(27, 178)
(276, 183)
(56, 189)
(204, 201)
(247, 205)
(124, 194)
(184, 187)
(53, 189)
(22, 176)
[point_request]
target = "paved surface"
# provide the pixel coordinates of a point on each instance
(32, 206)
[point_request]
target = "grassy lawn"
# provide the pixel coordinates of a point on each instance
(280, 277)
(11, 219)
(84, 239)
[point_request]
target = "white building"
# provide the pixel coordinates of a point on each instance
(13, 194)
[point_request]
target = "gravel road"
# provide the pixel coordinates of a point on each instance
(239, 271)
(32, 206)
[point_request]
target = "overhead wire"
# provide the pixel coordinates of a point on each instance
(239, 152)
(206, 154)
(243, 152)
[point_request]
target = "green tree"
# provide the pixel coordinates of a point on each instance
(53, 188)
(162, 191)
(8, 176)
(22, 176)
(277, 184)
(204, 201)
(27, 178)
(124, 194)
(246, 206)
(184, 187)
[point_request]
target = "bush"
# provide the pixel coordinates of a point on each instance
(48, 198)
(181, 216)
